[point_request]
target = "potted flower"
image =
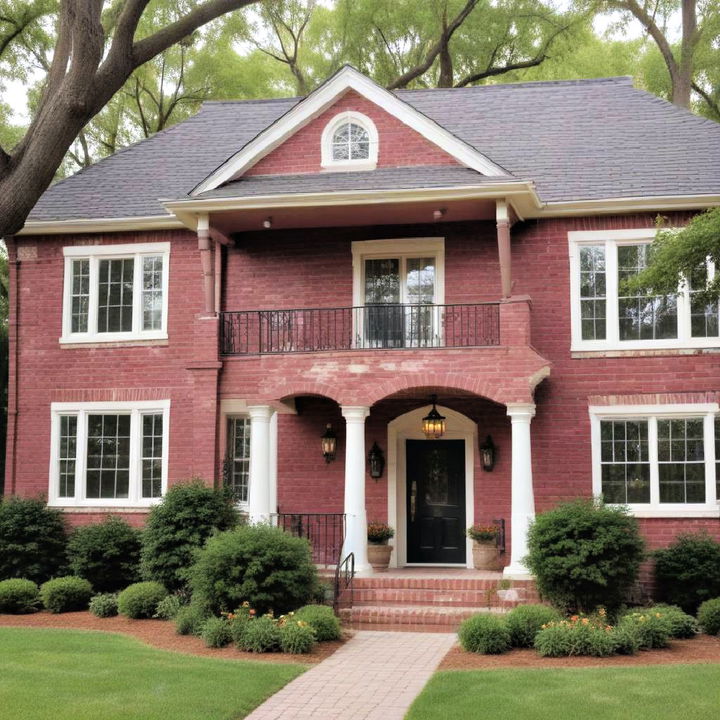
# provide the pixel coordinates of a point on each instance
(379, 551)
(484, 546)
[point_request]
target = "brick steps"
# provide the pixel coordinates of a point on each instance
(414, 617)
(426, 596)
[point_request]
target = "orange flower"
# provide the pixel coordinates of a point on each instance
(252, 612)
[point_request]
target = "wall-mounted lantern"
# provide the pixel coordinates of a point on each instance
(487, 453)
(328, 441)
(433, 424)
(376, 460)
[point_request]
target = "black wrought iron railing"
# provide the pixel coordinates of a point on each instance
(325, 531)
(343, 587)
(261, 332)
(500, 538)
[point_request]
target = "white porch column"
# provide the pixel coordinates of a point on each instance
(259, 501)
(523, 499)
(355, 514)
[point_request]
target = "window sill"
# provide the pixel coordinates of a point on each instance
(704, 511)
(578, 353)
(79, 509)
(349, 166)
(157, 340)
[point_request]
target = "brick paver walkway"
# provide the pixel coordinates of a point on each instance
(374, 676)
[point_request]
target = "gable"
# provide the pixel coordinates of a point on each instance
(398, 144)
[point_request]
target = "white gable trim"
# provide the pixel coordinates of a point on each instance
(323, 97)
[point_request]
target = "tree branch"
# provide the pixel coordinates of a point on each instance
(713, 104)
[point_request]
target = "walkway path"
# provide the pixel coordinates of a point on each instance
(374, 676)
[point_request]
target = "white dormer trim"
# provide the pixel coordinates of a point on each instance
(327, 161)
(348, 78)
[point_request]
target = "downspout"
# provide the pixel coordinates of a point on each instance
(12, 410)
(502, 217)
(203, 233)
(218, 275)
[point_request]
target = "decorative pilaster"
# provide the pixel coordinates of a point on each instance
(259, 508)
(206, 261)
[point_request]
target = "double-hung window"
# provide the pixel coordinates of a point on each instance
(108, 454)
(659, 460)
(115, 292)
(608, 315)
(237, 463)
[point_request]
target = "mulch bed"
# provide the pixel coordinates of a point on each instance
(161, 634)
(701, 649)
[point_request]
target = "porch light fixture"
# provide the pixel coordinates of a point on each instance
(439, 214)
(267, 223)
(376, 460)
(433, 424)
(487, 453)
(328, 441)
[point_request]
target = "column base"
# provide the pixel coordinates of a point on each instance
(517, 572)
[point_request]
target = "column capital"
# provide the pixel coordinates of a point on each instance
(354, 413)
(259, 412)
(521, 412)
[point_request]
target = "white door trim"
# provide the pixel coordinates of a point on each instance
(409, 427)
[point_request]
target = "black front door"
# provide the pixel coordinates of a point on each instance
(435, 501)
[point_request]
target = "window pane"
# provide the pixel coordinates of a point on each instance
(681, 459)
(80, 295)
(115, 295)
(152, 458)
(108, 456)
(382, 281)
(152, 300)
(237, 468)
(351, 142)
(592, 292)
(68, 448)
(703, 316)
(625, 462)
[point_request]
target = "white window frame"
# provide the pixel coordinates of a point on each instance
(94, 254)
(611, 240)
(326, 143)
(652, 413)
(238, 415)
(136, 410)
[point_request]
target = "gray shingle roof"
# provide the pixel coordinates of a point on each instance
(577, 140)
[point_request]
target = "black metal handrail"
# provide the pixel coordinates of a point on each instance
(344, 574)
(500, 537)
(324, 531)
(368, 327)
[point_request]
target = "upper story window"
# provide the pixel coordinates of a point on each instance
(607, 316)
(350, 142)
(115, 292)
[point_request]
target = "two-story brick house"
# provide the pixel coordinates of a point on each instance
(207, 302)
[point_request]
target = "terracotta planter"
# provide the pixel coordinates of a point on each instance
(379, 556)
(485, 555)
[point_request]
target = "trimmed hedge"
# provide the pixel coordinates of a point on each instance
(486, 634)
(19, 596)
(104, 605)
(65, 594)
(322, 620)
(709, 616)
(525, 621)
(139, 601)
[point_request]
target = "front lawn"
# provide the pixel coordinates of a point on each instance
(690, 692)
(80, 675)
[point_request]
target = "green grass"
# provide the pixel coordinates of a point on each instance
(668, 692)
(74, 675)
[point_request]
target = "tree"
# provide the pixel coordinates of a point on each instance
(96, 51)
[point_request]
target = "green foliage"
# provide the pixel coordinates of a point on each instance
(485, 634)
(140, 600)
(580, 635)
(65, 594)
(297, 637)
(688, 571)
(189, 620)
(681, 624)
(104, 605)
(379, 533)
(19, 596)
(215, 632)
(169, 607)
(32, 539)
(584, 554)
(323, 621)
(709, 616)
(524, 623)
(626, 639)
(262, 565)
(178, 526)
(651, 627)
(107, 554)
(259, 635)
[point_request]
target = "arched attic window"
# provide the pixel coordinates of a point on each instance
(350, 142)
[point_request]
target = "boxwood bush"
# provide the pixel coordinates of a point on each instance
(322, 620)
(681, 624)
(19, 596)
(104, 605)
(140, 600)
(709, 616)
(584, 554)
(297, 637)
(180, 524)
(687, 572)
(107, 554)
(524, 623)
(32, 540)
(486, 634)
(65, 594)
(262, 565)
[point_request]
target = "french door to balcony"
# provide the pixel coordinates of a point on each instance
(400, 296)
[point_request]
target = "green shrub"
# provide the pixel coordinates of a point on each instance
(65, 594)
(238, 626)
(682, 625)
(107, 554)
(584, 554)
(322, 593)
(189, 620)
(652, 628)
(215, 632)
(260, 635)
(32, 540)
(19, 596)
(169, 607)
(555, 640)
(180, 524)
(709, 616)
(104, 605)
(297, 637)
(263, 565)
(688, 571)
(525, 621)
(577, 636)
(322, 620)
(141, 599)
(486, 634)
(626, 639)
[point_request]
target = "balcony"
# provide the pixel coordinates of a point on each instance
(369, 327)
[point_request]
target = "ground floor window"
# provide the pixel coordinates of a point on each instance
(109, 453)
(658, 460)
(237, 464)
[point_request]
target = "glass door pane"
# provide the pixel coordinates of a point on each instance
(421, 326)
(383, 318)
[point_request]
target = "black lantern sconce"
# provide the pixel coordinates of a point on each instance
(433, 424)
(328, 442)
(488, 452)
(376, 460)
